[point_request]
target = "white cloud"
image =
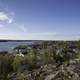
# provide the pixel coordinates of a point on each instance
(7, 18)
(10, 20)
(4, 17)
(23, 28)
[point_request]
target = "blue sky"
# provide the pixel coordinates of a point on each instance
(40, 16)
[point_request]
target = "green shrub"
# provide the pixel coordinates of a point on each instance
(31, 58)
(17, 62)
(5, 66)
(47, 58)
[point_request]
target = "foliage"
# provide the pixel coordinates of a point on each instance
(5, 66)
(21, 47)
(31, 58)
(47, 57)
(17, 62)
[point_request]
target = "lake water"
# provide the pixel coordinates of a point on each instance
(7, 46)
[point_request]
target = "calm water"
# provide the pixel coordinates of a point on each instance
(7, 46)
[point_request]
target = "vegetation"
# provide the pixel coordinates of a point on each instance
(17, 62)
(31, 58)
(44, 60)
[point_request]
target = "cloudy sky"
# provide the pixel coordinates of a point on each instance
(40, 17)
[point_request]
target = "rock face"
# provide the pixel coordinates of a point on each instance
(49, 72)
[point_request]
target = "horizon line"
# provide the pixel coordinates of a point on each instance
(40, 36)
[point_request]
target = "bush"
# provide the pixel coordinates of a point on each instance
(5, 66)
(17, 62)
(47, 57)
(31, 58)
